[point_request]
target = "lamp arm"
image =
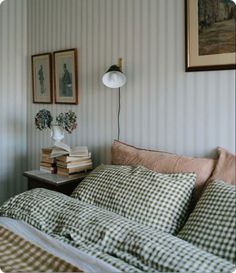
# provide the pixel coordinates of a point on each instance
(120, 63)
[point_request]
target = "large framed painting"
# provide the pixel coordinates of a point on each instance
(42, 78)
(65, 76)
(210, 34)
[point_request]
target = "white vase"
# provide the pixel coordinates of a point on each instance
(57, 133)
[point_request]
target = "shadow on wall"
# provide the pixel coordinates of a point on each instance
(212, 154)
(13, 157)
(12, 181)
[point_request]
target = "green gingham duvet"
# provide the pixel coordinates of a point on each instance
(125, 244)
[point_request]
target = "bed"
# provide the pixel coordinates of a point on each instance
(121, 219)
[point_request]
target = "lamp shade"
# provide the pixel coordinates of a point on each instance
(114, 78)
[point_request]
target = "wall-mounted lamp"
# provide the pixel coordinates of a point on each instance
(115, 78)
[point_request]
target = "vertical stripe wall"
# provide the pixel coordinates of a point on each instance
(13, 96)
(162, 106)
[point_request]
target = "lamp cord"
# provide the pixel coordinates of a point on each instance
(118, 118)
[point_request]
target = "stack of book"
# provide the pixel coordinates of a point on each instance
(47, 164)
(71, 165)
(71, 161)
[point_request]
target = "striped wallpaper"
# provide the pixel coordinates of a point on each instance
(162, 106)
(13, 97)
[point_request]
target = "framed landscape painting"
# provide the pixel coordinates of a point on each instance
(42, 78)
(210, 34)
(65, 76)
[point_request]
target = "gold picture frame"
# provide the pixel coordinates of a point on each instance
(65, 76)
(210, 35)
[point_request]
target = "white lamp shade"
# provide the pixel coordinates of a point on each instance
(114, 79)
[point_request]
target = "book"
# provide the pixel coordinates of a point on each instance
(65, 171)
(61, 149)
(46, 159)
(45, 155)
(47, 169)
(45, 164)
(46, 151)
(56, 152)
(67, 158)
(73, 164)
(75, 151)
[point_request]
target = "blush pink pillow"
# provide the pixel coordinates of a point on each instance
(123, 154)
(225, 168)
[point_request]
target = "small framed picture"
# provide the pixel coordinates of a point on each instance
(65, 76)
(210, 35)
(42, 78)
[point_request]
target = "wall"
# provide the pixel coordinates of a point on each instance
(13, 97)
(162, 106)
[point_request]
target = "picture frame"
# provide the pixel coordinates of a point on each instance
(209, 35)
(65, 76)
(42, 78)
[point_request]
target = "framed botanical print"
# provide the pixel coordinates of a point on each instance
(210, 34)
(42, 78)
(65, 76)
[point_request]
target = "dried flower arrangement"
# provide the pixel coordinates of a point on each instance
(43, 119)
(67, 121)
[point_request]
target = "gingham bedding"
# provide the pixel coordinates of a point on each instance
(125, 244)
(19, 255)
(212, 224)
(150, 198)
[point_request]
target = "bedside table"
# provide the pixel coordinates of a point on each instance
(39, 179)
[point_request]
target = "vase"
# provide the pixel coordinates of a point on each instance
(57, 133)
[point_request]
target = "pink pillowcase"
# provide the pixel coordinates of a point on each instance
(225, 168)
(123, 154)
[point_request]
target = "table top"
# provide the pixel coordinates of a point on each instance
(53, 179)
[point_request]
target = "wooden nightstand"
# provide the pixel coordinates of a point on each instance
(39, 179)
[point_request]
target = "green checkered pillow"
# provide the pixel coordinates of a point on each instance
(212, 224)
(150, 198)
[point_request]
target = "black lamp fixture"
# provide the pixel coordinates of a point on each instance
(115, 78)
